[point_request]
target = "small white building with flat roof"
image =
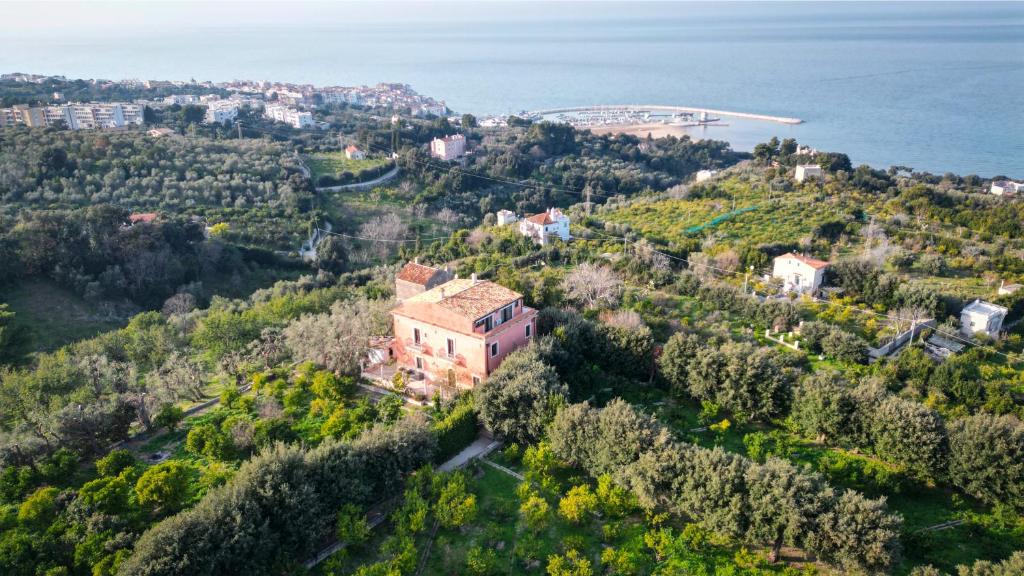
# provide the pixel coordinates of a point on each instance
(705, 175)
(805, 171)
(506, 217)
(981, 316)
(1006, 187)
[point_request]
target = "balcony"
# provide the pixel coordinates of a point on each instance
(454, 359)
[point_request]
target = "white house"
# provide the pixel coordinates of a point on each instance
(354, 153)
(981, 316)
(705, 175)
(805, 171)
(799, 273)
(1008, 187)
(449, 147)
(546, 226)
(506, 217)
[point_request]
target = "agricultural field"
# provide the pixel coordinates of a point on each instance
(335, 165)
(530, 514)
(55, 316)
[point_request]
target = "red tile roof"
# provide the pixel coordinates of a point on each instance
(417, 273)
(543, 219)
(352, 149)
(479, 299)
(466, 297)
(145, 217)
(813, 263)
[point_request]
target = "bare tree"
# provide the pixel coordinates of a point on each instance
(384, 232)
(649, 255)
(593, 286)
(906, 317)
(702, 265)
(339, 339)
(180, 303)
(178, 377)
(448, 218)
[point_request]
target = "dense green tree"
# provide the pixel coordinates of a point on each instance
(676, 356)
(115, 462)
(857, 534)
(520, 397)
(822, 406)
(986, 458)
(911, 435)
(784, 503)
(166, 487)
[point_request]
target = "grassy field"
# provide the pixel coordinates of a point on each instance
(56, 316)
(335, 163)
(782, 220)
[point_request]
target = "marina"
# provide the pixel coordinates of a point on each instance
(635, 114)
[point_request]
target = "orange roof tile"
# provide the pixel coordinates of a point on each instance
(812, 262)
(479, 299)
(543, 219)
(466, 297)
(417, 273)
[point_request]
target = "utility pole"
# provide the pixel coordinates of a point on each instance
(239, 124)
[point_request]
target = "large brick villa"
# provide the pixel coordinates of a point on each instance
(459, 330)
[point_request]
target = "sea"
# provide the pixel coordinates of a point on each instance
(937, 87)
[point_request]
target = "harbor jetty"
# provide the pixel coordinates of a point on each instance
(638, 113)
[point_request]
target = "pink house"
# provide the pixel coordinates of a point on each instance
(460, 330)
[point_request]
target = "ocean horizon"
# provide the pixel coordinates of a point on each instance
(933, 86)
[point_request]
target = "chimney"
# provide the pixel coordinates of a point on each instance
(442, 292)
(473, 277)
(416, 260)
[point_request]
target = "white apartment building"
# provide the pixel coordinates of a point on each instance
(221, 112)
(296, 118)
(80, 116)
(181, 99)
(449, 147)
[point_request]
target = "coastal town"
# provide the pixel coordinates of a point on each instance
(264, 328)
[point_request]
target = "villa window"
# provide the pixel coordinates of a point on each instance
(494, 349)
(451, 348)
(506, 313)
(476, 381)
(529, 330)
(419, 363)
(487, 323)
(416, 335)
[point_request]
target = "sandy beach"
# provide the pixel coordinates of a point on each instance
(655, 129)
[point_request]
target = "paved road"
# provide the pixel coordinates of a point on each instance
(480, 447)
(368, 184)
